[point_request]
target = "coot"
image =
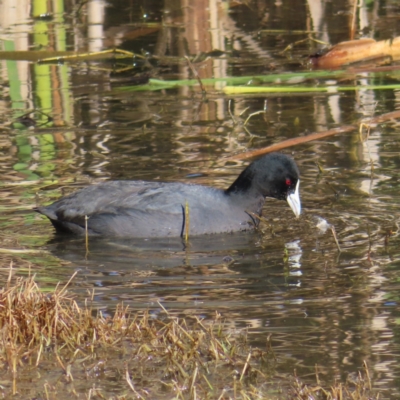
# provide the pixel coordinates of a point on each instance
(160, 209)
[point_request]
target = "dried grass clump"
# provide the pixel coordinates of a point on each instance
(31, 319)
(156, 355)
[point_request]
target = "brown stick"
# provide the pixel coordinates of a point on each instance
(292, 142)
(384, 117)
(310, 137)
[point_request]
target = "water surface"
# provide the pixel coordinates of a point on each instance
(321, 306)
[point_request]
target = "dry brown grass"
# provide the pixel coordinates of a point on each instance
(70, 350)
(359, 389)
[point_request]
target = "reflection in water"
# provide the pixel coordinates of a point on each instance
(294, 259)
(217, 273)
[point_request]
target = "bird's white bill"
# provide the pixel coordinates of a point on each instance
(294, 200)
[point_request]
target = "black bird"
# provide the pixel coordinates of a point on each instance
(161, 209)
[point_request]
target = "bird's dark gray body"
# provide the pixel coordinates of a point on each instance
(161, 209)
(146, 209)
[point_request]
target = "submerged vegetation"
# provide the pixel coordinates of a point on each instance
(69, 349)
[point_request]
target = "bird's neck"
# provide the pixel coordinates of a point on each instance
(242, 184)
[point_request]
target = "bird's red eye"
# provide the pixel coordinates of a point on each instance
(288, 182)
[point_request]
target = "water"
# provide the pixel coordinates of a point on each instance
(325, 307)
